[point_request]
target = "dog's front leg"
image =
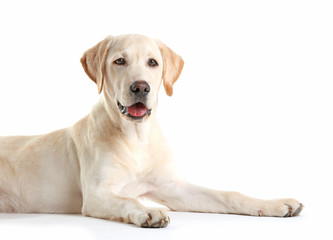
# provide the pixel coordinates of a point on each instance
(102, 203)
(181, 196)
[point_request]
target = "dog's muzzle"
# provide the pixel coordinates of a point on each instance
(139, 90)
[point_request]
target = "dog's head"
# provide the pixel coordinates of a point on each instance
(129, 69)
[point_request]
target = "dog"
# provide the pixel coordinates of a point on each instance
(102, 164)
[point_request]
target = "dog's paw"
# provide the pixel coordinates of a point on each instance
(151, 218)
(281, 208)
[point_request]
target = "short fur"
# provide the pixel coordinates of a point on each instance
(104, 162)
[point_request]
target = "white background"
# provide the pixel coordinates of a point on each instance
(251, 112)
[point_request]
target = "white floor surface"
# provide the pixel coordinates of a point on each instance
(182, 226)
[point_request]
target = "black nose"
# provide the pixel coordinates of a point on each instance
(140, 88)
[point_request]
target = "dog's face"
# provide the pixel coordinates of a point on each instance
(134, 72)
(129, 69)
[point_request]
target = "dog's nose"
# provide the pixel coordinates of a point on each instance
(140, 88)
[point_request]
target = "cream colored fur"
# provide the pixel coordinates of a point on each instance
(101, 165)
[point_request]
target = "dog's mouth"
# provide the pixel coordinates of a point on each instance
(137, 111)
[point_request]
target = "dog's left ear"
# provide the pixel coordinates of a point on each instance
(93, 61)
(172, 67)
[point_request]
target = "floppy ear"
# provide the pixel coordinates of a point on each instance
(172, 67)
(93, 61)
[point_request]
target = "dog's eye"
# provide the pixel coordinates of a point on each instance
(120, 61)
(152, 62)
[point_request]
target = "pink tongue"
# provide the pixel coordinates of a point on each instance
(137, 110)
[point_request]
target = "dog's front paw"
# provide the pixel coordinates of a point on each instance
(281, 208)
(151, 218)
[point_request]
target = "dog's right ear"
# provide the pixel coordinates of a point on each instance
(93, 61)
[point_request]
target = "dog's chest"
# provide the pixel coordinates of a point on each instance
(130, 163)
(137, 144)
(138, 158)
(129, 180)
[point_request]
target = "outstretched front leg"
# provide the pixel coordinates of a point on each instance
(182, 196)
(110, 206)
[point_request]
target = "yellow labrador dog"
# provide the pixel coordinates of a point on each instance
(102, 164)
